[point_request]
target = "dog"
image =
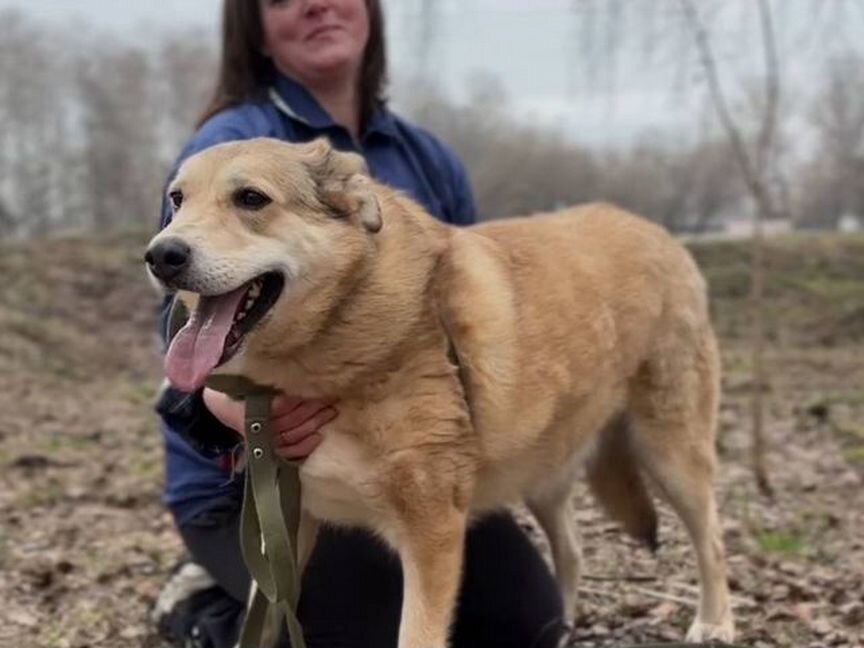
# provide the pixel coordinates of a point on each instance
(474, 367)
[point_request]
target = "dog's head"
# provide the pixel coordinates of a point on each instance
(257, 225)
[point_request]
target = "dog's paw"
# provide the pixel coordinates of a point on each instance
(704, 632)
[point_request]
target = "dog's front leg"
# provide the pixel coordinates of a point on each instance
(431, 549)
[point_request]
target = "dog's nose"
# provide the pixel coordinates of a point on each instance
(168, 258)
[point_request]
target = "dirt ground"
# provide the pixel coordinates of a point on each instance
(85, 544)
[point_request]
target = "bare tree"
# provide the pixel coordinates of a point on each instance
(755, 147)
(184, 69)
(8, 222)
(87, 137)
(687, 190)
(515, 169)
(708, 179)
(518, 169)
(116, 92)
(833, 182)
(754, 164)
(30, 91)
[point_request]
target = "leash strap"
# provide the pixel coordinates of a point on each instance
(269, 521)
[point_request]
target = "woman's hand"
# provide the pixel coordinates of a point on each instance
(294, 422)
(229, 412)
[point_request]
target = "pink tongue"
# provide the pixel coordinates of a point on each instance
(196, 349)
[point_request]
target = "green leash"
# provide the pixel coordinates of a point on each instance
(269, 519)
(270, 515)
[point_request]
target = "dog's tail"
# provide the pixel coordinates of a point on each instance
(615, 480)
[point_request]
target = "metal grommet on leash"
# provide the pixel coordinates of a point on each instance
(257, 453)
(255, 427)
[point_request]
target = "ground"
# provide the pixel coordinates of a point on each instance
(85, 544)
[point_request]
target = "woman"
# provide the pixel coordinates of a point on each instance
(297, 70)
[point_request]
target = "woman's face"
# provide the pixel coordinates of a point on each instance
(315, 41)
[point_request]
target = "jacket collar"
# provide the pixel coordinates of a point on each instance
(297, 103)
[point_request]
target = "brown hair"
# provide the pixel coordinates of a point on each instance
(245, 73)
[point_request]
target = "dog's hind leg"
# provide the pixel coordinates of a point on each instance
(673, 407)
(686, 486)
(556, 518)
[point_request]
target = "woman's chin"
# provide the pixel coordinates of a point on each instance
(335, 60)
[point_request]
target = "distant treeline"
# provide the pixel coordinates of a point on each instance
(89, 127)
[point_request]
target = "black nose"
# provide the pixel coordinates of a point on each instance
(168, 258)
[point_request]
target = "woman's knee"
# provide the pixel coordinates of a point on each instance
(509, 596)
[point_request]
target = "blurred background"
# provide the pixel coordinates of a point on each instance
(721, 119)
(588, 99)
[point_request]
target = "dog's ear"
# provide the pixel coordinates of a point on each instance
(344, 184)
(354, 197)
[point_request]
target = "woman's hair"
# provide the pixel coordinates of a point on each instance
(245, 73)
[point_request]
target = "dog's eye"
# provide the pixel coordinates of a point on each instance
(250, 199)
(176, 199)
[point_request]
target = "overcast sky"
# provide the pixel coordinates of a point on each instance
(533, 45)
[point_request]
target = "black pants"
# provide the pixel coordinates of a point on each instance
(352, 587)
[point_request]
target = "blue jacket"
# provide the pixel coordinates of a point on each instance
(398, 153)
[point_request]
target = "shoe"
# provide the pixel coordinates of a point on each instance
(192, 611)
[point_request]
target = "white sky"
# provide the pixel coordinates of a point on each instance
(533, 46)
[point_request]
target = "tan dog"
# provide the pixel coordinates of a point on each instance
(582, 339)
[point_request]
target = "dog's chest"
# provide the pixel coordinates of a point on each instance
(339, 482)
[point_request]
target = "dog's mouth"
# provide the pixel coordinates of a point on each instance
(258, 298)
(217, 328)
